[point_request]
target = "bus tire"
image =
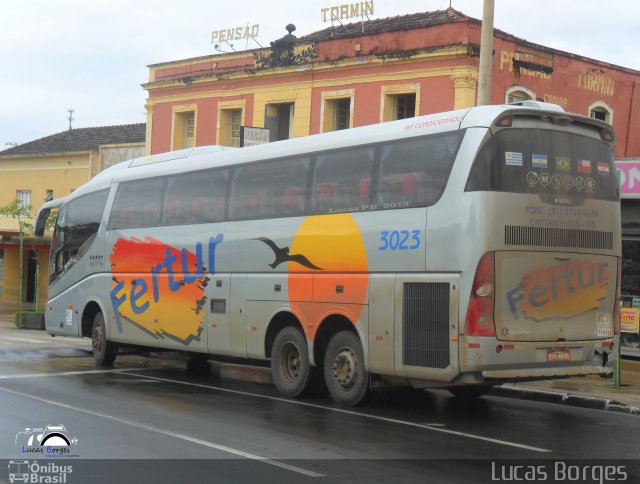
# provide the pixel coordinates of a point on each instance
(104, 351)
(469, 392)
(291, 370)
(344, 371)
(198, 363)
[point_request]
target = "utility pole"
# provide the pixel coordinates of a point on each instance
(486, 54)
(70, 118)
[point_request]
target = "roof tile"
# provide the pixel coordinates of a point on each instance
(80, 139)
(389, 24)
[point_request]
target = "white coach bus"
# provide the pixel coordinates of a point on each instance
(457, 250)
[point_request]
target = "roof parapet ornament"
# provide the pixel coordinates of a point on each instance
(283, 53)
(282, 49)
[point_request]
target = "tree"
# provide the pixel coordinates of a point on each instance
(17, 210)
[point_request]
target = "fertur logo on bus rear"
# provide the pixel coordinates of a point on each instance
(560, 291)
(152, 279)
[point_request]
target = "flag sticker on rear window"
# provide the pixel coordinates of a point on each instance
(563, 163)
(603, 168)
(513, 158)
(539, 161)
(584, 166)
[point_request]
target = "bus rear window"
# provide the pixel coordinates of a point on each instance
(545, 162)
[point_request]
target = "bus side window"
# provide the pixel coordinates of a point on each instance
(325, 196)
(340, 179)
(136, 204)
(415, 171)
(192, 198)
(151, 213)
(364, 188)
(269, 189)
(292, 200)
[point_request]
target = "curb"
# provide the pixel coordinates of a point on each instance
(574, 400)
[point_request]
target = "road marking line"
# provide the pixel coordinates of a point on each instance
(151, 428)
(26, 340)
(67, 373)
(352, 412)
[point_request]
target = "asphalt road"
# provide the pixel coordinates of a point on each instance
(149, 420)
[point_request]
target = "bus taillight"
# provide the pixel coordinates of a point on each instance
(481, 302)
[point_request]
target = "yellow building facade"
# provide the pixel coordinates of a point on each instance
(40, 170)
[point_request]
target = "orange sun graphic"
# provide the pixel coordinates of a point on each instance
(334, 244)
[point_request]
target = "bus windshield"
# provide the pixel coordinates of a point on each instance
(76, 227)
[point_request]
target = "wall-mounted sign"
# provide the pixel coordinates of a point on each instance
(250, 136)
(629, 177)
(347, 11)
(235, 33)
(597, 82)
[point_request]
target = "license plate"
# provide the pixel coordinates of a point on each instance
(558, 355)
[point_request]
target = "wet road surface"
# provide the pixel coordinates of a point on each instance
(152, 408)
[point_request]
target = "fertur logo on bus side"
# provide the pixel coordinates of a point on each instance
(153, 283)
(561, 291)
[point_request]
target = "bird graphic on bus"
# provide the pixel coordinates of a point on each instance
(282, 255)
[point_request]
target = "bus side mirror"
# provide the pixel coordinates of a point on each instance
(41, 221)
(43, 215)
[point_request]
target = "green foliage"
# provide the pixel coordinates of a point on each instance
(51, 221)
(17, 211)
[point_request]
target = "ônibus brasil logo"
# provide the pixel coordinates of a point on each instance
(34, 472)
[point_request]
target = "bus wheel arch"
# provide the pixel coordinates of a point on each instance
(331, 326)
(88, 315)
(277, 324)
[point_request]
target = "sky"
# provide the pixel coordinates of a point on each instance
(92, 55)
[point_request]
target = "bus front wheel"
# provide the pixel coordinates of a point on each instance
(291, 371)
(344, 371)
(104, 352)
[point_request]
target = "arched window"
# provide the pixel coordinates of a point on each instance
(601, 111)
(517, 94)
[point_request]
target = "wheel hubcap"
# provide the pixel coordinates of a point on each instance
(345, 368)
(290, 362)
(96, 339)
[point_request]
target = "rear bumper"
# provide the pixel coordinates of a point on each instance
(544, 373)
(500, 360)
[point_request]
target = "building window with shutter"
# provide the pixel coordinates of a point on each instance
(24, 198)
(337, 112)
(184, 130)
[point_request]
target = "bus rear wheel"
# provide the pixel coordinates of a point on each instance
(344, 371)
(291, 370)
(104, 352)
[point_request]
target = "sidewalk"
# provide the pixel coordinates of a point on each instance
(590, 391)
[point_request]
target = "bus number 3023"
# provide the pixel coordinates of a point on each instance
(399, 239)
